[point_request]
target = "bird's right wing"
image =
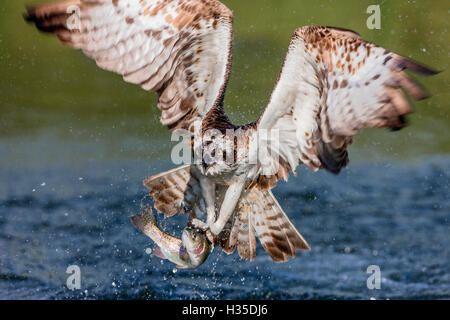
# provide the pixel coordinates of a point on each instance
(179, 49)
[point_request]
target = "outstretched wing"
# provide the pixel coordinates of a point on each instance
(181, 49)
(333, 84)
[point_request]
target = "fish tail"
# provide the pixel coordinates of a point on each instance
(146, 221)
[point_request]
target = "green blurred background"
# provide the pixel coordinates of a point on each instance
(58, 107)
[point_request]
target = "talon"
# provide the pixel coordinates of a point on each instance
(210, 237)
(199, 224)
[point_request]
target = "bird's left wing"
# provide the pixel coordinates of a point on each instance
(181, 49)
(332, 84)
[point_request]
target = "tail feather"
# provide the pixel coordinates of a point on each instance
(246, 242)
(277, 234)
(259, 214)
(144, 221)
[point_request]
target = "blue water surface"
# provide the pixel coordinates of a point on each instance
(389, 215)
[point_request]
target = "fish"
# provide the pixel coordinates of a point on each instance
(189, 252)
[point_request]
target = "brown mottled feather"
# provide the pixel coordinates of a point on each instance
(332, 85)
(171, 189)
(180, 49)
(258, 214)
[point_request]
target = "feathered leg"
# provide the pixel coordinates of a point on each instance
(229, 203)
(208, 188)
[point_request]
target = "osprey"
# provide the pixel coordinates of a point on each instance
(332, 84)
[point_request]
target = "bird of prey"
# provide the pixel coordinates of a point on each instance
(332, 84)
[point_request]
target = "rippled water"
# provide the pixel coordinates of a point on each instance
(387, 215)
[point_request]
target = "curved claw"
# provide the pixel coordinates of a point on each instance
(199, 224)
(211, 237)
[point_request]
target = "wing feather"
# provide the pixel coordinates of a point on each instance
(181, 49)
(333, 84)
